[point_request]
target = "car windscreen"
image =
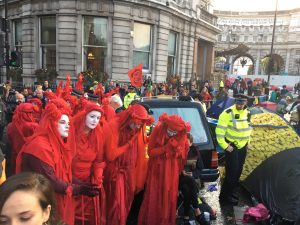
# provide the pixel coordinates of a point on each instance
(190, 115)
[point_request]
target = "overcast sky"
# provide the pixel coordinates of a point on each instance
(255, 5)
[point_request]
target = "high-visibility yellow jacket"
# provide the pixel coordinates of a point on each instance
(221, 83)
(129, 98)
(233, 125)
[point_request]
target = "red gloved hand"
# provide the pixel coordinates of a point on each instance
(173, 143)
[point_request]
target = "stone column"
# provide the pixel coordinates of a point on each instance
(287, 62)
(230, 63)
(29, 48)
(257, 63)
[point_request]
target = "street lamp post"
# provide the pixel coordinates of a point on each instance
(270, 64)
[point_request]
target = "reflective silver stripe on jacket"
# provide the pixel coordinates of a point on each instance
(221, 127)
(233, 120)
(239, 129)
(237, 138)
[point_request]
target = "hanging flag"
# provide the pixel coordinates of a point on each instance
(136, 76)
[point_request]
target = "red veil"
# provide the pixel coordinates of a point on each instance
(167, 157)
(88, 166)
(47, 145)
(126, 156)
(22, 126)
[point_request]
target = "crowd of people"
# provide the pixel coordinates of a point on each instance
(81, 158)
(82, 154)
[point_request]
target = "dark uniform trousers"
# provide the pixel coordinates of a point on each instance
(234, 162)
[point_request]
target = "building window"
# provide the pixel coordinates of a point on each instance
(95, 44)
(219, 37)
(142, 45)
(18, 35)
(298, 52)
(48, 42)
(172, 47)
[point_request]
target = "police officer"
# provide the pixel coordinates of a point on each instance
(131, 96)
(233, 134)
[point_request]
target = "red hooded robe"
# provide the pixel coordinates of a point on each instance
(22, 126)
(167, 156)
(126, 167)
(88, 166)
(47, 146)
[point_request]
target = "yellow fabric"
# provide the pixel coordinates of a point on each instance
(129, 98)
(234, 130)
(3, 175)
(256, 100)
(221, 83)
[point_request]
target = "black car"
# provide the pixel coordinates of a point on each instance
(191, 112)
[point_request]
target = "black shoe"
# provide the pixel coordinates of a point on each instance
(201, 220)
(229, 200)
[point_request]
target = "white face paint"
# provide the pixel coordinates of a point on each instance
(64, 126)
(135, 126)
(171, 133)
(92, 119)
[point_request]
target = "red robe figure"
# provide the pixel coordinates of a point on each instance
(22, 126)
(126, 161)
(168, 147)
(48, 152)
(88, 164)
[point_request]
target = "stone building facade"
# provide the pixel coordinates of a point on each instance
(254, 29)
(112, 36)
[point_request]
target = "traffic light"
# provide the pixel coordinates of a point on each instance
(4, 25)
(15, 59)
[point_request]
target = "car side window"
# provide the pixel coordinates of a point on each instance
(190, 115)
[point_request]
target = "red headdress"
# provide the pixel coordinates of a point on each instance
(68, 88)
(72, 101)
(50, 95)
(173, 122)
(59, 89)
(109, 111)
(36, 102)
(79, 84)
(20, 129)
(135, 113)
(24, 119)
(24, 113)
(95, 137)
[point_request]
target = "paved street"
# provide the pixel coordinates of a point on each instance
(226, 214)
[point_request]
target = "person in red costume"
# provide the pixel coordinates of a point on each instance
(48, 152)
(168, 147)
(88, 164)
(126, 168)
(37, 102)
(22, 126)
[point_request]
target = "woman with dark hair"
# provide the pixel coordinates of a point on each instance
(28, 197)
(88, 164)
